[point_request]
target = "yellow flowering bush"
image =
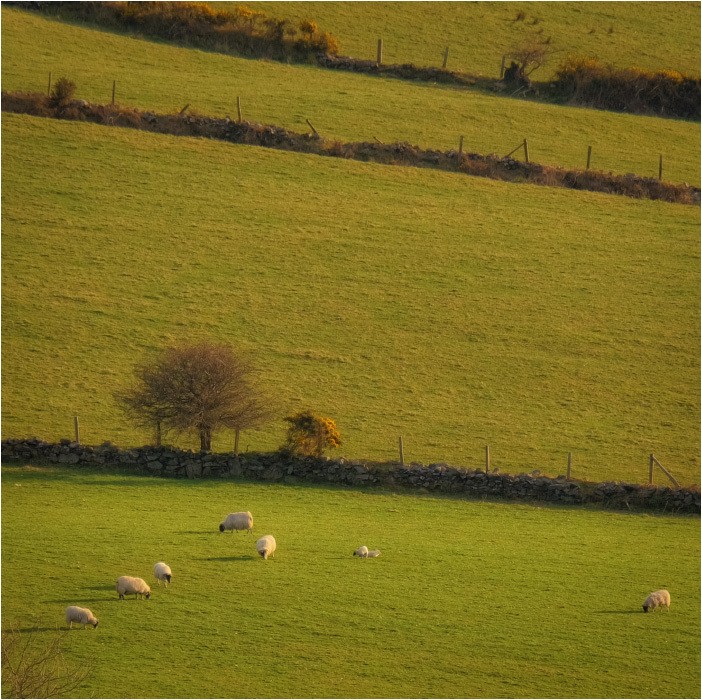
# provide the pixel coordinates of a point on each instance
(310, 435)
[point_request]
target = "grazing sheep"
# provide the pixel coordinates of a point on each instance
(131, 584)
(373, 553)
(162, 572)
(361, 552)
(657, 599)
(82, 616)
(237, 521)
(265, 546)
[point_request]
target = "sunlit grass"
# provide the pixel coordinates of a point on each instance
(468, 599)
(340, 105)
(454, 311)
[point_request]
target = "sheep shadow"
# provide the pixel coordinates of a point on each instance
(29, 630)
(78, 600)
(618, 612)
(198, 532)
(239, 557)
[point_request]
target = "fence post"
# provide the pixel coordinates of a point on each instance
(311, 127)
(48, 90)
(487, 459)
(402, 453)
(660, 167)
(158, 433)
(238, 108)
(502, 67)
(75, 426)
(446, 51)
(114, 87)
(589, 153)
(236, 442)
(570, 462)
(650, 468)
(379, 58)
(526, 151)
(460, 149)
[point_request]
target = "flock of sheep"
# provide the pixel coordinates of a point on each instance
(128, 585)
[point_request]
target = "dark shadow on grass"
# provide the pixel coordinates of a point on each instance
(79, 600)
(618, 612)
(29, 630)
(240, 557)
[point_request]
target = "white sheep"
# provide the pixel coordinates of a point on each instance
(657, 599)
(82, 616)
(162, 572)
(265, 546)
(373, 553)
(237, 521)
(361, 552)
(130, 584)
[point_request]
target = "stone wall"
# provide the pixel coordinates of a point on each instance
(279, 467)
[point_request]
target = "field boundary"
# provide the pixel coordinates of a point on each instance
(404, 154)
(281, 467)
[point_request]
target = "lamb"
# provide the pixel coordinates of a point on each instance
(162, 572)
(237, 521)
(657, 599)
(82, 616)
(265, 546)
(131, 584)
(361, 552)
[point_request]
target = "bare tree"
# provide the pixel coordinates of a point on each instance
(33, 665)
(196, 388)
(527, 55)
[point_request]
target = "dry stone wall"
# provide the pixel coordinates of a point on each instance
(280, 467)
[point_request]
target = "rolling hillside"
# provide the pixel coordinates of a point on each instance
(340, 106)
(656, 35)
(451, 310)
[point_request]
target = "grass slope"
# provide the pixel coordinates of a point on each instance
(451, 310)
(468, 599)
(339, 105)
(651, 35)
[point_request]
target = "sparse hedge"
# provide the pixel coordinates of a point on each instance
(286, 468)
(587, 82)
(491, 166)
(239, 30)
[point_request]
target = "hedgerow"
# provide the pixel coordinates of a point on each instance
(586, 81)
(269, 136)
(239, 30)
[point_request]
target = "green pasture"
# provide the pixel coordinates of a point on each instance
(340, 105)
(650, 35)
(454, 311)
(468, 599)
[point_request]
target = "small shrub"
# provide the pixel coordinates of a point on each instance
(310, 435)
(62, 92)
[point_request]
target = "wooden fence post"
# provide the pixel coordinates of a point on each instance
(460, 149)
(570, 462)
(311, 127)
(379, 58)
(75, 426)
(650, 468)
(487, 459)
(589, 153)
(402, 453)
(526, 151)
(446, 52)
(114, 87)
(238, 108)
(48, 90)
(236, 442)
(158, 433)
(666, 472)
(502, 67)
(660, 167)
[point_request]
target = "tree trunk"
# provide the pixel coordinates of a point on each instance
(205, 439)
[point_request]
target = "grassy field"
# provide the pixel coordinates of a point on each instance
(454, 311)
(651, 35)
(469, 599)
(339, 105)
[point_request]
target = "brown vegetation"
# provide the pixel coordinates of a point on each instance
(491, 166)
(198, 388)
